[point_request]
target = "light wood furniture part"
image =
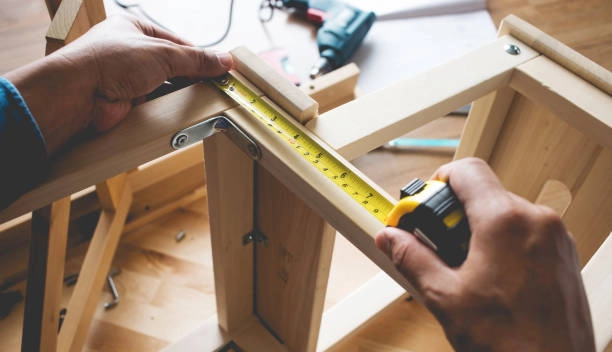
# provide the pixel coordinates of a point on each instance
(545, 112)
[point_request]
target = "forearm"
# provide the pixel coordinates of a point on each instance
(51, 87)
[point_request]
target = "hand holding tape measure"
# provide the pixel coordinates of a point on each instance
(431, 211)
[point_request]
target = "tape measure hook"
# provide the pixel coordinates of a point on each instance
(207, 128)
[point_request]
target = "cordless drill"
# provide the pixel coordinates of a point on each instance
(343, 29)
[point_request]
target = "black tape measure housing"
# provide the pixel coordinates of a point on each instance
(433, 213)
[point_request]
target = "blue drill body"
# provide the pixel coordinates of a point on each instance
(343, 29)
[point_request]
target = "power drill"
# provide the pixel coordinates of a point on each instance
(343, 29)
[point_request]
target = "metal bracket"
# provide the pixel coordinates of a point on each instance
(205, 129)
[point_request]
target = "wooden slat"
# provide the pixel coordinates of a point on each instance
(577, 102)
(588, 216)
(486, 118)
(143, 136)
(277, 87)
(557, 51)
(93, 275)
(45, 274)
(597, 278)
(373, 120)
(362, 305)
(252, 336)
(110, 191)
(292, 265)
(335, 88)
(229, 174)
(72, 19)
(166, 167)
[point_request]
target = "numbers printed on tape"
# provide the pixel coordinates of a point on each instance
(310, 150)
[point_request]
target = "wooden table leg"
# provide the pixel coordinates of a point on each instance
(45, 273)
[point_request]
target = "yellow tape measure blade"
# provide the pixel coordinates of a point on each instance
(330, 166)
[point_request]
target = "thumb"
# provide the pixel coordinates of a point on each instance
(413, 259)
(195, 62)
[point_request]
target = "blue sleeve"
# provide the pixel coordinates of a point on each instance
(23, 157)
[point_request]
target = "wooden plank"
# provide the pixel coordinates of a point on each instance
(166, 167)
(229, 174)
(558, 52)
(580, 104)
(110, 191)
(73, 18)
(276, 87)
(347, 316)
(93, 275)
(373, 120)
(70, 21)
(486, 118)
(167, 208)
(597, 278)
(588, 216)
(45, 277)
(143, 136)
(334, 88)
(292, 264)
(253, 336)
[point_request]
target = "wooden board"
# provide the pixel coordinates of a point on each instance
(292, 264)
(229, 174)
(375, 119)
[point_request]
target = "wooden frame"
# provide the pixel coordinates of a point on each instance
(548, 87)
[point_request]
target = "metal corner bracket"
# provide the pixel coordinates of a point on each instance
(207, 128)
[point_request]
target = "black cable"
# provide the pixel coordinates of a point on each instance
(159, 24)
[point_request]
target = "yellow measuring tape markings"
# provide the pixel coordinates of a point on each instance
(310, 150)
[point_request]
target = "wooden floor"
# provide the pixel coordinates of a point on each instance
(166, 286)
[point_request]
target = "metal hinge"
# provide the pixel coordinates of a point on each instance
(205, 129)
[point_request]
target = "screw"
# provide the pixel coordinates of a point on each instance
(180, 236)
(512, 49)
(253, 152)
(180, 140)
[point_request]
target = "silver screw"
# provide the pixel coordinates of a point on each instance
(512, 49)
(179, 140)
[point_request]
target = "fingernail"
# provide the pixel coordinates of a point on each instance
(226, 60)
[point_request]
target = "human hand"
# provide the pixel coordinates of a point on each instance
(97, 78)
(519, 288)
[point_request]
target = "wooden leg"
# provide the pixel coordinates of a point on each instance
(96, 265)
(229, 181)
(293, 266)
(45, 272)
(486, 119)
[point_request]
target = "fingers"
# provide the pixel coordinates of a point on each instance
(180, 57)
(413, 259)
(474, 183)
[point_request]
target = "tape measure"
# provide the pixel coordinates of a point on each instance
(429, 209)
(432, 212)
(317, 156)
